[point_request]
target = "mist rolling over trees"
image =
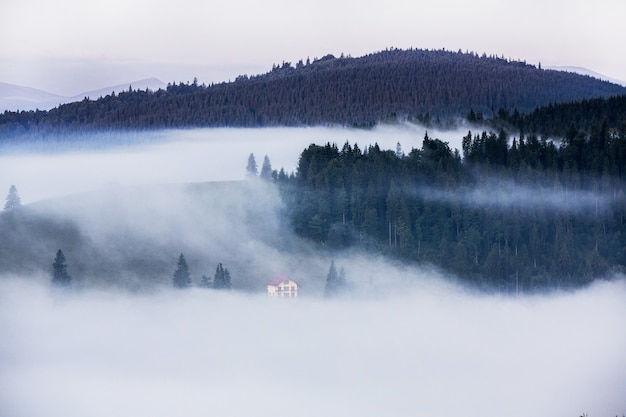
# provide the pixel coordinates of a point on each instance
(523, 216)
(503, 213)
(477, 270)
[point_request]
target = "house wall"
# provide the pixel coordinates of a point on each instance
(286, 288)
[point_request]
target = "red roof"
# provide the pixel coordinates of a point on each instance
(278, 280)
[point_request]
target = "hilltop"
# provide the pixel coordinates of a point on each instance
(416, 85)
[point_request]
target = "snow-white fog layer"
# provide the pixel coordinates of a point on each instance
(431, 350)
(48, 170)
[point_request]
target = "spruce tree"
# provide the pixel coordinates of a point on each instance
(60, 276)
(221, 281)
(182, 278)
(13, 200)
(266, 169)
(251, 168)
(335, 282)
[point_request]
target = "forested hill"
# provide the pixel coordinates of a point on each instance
(414, 84)
(566, 120)
(523, 216)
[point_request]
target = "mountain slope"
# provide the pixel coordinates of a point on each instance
(152, 84)
(585, 71)
(17, 98)
(413, 84)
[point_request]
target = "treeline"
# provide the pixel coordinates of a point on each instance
(419, 85)
(519, 216)
(182, 276)
(180, 279)
(566, 119)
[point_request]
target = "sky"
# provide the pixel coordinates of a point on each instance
(70, 46)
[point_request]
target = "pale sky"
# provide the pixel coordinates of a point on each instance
(72, 46)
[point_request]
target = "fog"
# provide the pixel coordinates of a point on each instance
(61, 167)
(503, 194)
(429, 349)
(403, 341)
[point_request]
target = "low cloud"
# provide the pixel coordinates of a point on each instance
(428, 349)
(504, 194)
(63, 166)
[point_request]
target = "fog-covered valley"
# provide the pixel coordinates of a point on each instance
(429, 349)
(405, 340)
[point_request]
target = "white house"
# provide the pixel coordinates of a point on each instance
(282, 287)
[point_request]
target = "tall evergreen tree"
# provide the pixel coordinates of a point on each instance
(335, 282)
(13, 200)
(221, 281)
(266, 169)
(251, 168)
(182, 277)
(60, 276)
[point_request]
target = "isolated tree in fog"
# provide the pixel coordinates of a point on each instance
(60, 277)
(182, 278)
(13, 199)
(266, 169)
(335, 282)
(251, 169)
(221, 281)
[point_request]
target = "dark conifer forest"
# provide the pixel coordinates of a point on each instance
(521, 217)
(415, 85)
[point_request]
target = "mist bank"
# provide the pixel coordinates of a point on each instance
(60, 165)
(131, 237)
(497, 195)
(431, 348)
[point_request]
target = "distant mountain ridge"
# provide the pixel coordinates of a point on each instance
(17, 98)
(590, 73)
(415, 85)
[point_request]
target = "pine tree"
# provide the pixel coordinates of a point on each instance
(251, 168)
(60, 277)
(13, 200)
(266, 169)
(182, 278)
(221, 281)
(342, 278)
(335, 282)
